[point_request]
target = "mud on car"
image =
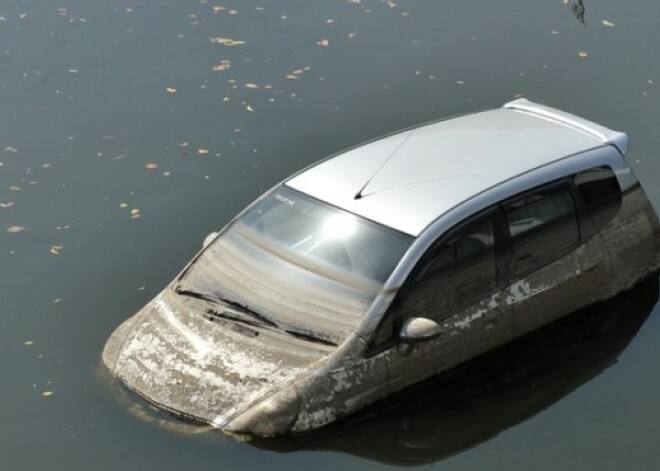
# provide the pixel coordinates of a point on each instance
(390, 263)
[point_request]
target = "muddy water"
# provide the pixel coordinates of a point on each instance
(129, 130)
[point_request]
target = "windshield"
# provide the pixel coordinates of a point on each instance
(306, 265)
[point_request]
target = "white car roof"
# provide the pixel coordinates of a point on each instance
(415, 176)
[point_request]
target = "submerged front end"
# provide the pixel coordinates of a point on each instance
(204, 368)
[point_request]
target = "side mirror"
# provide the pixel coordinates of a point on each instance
(419, 329)
(209, 238)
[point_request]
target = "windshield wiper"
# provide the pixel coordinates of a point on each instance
(234, 305)
(310, 337)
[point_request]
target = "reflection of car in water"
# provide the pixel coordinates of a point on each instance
(388, 264)
(483, 397)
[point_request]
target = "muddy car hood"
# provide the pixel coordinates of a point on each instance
(174, 356)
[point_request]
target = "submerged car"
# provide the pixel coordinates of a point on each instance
(388, 264)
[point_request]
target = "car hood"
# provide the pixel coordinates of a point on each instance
(174, 356)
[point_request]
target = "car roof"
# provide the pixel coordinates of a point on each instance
(408, 179)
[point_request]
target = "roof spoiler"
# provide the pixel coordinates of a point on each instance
(606, 135)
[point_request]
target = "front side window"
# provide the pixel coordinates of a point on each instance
(458, 273)
(542, 227)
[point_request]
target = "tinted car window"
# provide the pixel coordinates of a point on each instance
(543, 226)
(601, 196)
(458, 273)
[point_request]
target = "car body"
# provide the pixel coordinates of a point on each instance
(388, 264)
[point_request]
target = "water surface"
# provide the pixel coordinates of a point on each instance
(129, 131)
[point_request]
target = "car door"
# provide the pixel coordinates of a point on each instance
(458, 284)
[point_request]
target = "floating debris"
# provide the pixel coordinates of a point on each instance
(609, 24)
(323, 43)
(56, 249)
(582, 54)
(151, 166)
(135, 213)
(28, 343)
(7, 205)
(11, 149)
(222, 66)
(171, 90)
(227, 41)
(17, 229)
(202, 151)
(47, 393)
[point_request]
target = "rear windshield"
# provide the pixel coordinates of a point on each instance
(302, 263)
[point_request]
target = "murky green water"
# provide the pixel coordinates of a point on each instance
(127, 133)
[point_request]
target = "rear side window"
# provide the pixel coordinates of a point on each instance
(542, 226)
(601, 196)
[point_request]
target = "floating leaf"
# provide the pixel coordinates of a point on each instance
(151, 166)
(47, 393)
(56, 249)
(227, 41)
(202, 151)
(222, 66)
(16, 229)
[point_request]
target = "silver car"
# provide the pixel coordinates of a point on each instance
(388, 264)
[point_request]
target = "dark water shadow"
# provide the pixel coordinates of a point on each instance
(484, 397)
